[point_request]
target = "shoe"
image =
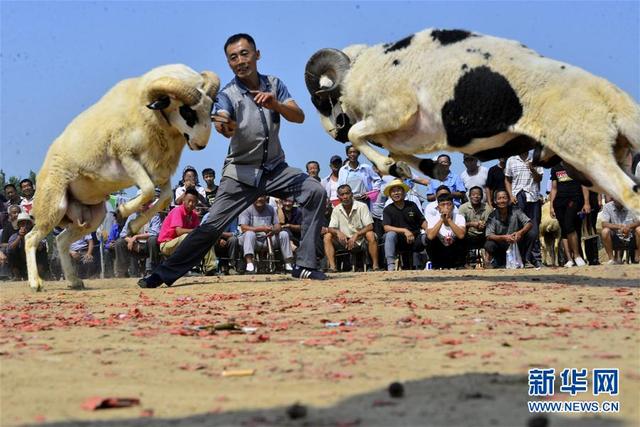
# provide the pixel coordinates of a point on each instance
(150, 282)
(569, 264)
(288, 267)
(308, 273)
(612, 262)
(250, 268)
(332, 270)
(232, 271)
(580, 262)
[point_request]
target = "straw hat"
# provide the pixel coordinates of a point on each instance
(23, 216)
(395, 183)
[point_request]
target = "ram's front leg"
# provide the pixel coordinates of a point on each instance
(147, 189)
(143, 218)
(429, 167)
(358, 136)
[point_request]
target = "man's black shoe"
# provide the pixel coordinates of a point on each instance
(151, 281)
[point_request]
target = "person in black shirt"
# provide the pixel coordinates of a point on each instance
(495, 179)
(568, 198)
(402, 221)
(209, 176)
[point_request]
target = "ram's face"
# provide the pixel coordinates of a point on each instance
(193, 122)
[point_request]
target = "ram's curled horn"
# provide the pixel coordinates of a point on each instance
(325, 71)
(165, 86)
(211, 83)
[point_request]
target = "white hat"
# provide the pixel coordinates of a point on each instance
(23, 216)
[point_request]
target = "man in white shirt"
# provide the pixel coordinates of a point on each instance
(474, 175)
(522, 181)
(445, 234)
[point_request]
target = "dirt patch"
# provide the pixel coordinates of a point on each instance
(461, 342)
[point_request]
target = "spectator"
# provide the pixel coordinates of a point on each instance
(445, 235)
(568, 198)
(28, 191)
(190, 180)
(351, 224)
(258, 223)
(522, 181)
(226, 249)
(330, 183)
(431, 208)
(83, 257)
(507, 225)
(209, 176)
(474, 175)
(9, 227)
(476, 213)
(290, 218)
(110, 240)
(402, 222)
(453, 182)
(313, 169)
(143, 244)
(11, 198)
(620, 229)
(495, 180)
(181, 221)
(16, 256)
(360, 177)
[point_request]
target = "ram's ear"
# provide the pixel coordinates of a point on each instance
(160, 103)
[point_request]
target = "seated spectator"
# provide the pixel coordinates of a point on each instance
(431, 208)
(28, 191)
(83, 256)
(16, 256)
(330, 183)
(351, 224)
(12, 198)
(143, 244)
(476, 212)
(360, 177)
(445, 235)
(620, 230)
(227, 249)
(209, 176)
(290, 219)
(190, 180)
(112, 236)
(452, 181)
(507, 225)
(180, 221)
(402, 221)
(313, 169)
(258, 223)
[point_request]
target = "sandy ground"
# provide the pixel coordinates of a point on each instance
(460, 341)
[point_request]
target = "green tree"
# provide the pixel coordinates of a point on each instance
(32, 177)
(2, 177)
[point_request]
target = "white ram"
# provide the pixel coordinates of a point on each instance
(453, 90)
(134, 135)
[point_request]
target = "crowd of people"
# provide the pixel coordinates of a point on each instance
(370, 222)
(265, 212)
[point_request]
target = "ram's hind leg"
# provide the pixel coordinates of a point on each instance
(428, 167)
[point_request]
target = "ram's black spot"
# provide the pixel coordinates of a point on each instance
(396, 62)
(523, 46)
(186, 136)
(484, 104)
(189, 116)
(464, 66)
(400, 44)
(562, 67)
(517, 145)
(636, 188)
(545, 163)
(486, 55)
(446, 37)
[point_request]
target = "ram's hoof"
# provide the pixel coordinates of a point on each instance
(76, 285)
(400, 170)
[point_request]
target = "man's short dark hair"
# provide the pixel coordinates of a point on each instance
(476, 187)
(191, 191)
(443, 187)
(10, 185)
(208, 171)
(502, 190)
(343, 186)
(26, 180)
(310, 162)
(444, 155)
(349, 147)
(237, 37)
(445, 198)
